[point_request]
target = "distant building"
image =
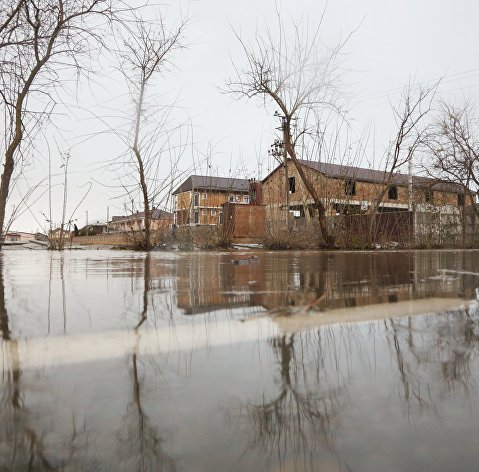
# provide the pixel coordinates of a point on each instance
(199, 199)
(41, 237)
(92, 230)
(160, 220)
(18, 236)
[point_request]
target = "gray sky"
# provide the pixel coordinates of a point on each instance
(395, 42)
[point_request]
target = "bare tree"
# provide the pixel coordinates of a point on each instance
(146, 55)
(409, 115)
(294, 72)
(39, 40)
(454, 143)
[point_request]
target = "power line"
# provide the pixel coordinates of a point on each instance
(397, 90)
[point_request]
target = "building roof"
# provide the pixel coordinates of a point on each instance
(204, 182)
(337, 171)
(156, 214)
(18, 233)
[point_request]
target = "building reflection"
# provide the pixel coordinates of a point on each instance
(274, 280)
(202, 282)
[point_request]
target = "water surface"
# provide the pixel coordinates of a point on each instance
(268, 361)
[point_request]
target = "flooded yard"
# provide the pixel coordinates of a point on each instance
(239, 361)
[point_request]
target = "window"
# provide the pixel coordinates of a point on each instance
(197, 197)
(238, 198)
(213, 212)
(392, 298)
(220, 217)
(203, 211)
(393, 192)
(429, 196)
(349, 187)
(196, 217)
(292, 185)
(205, 195)
(245, 198)
(232, 198)
(460, 199)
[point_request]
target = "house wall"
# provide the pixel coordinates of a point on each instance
(209, 205)
(125, 225)
(138, 224)
(161, 224)
(19, 237)
(333, 190)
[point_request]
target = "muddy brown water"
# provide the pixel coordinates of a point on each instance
(239, 361)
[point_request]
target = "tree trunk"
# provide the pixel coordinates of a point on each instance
(5, 183)
(9, 163)
(328, 239)
(141, 170)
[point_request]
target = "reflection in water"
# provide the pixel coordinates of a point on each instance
(22, 446)
(423, 366)
(272, 280)
(146, 288)
(297, 423)
(453, 345)
(396, 394)
(139, 443)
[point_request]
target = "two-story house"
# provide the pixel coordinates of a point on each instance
(159, 220)
(199, 199)
(348, 190)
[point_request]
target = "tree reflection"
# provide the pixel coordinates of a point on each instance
(421, 345)
(28, 444)
(25, 449)
(146, 289)
(296, 424)
(140, 443)
(433, 358)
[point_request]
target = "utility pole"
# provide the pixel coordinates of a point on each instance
(285, 164)
(410, 181)
(279, 152)
(410, 198)
(86, 224)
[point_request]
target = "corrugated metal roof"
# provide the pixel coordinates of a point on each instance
(204, 182)
(378, 176)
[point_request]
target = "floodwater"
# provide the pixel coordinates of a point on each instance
(239, 361)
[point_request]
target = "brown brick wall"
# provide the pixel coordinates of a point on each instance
(334, 189)
(209, 206)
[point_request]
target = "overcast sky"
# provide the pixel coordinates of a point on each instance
(395, 42)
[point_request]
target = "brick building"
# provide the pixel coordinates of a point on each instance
(159, 220)
(199, 199)
(351, 190)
